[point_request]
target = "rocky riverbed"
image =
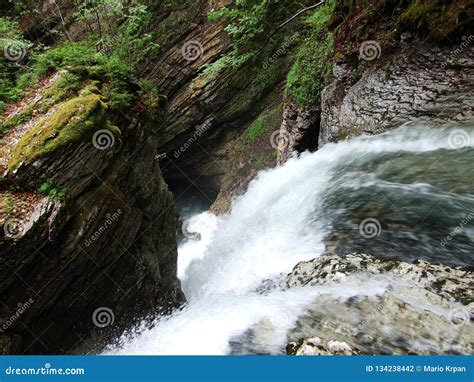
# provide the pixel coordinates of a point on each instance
(425, 309)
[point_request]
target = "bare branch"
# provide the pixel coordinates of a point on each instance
(299, 13)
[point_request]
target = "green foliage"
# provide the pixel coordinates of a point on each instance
(248, 24)
(67, 55)
(11, 40)
(110, 56)
(255, 129)
(133, 43)
(439, 18)
(150, 97)
(252, 20)
(52, 190)
(269, 121)
(319, 19)
(305, 80)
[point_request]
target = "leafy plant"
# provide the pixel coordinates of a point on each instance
(110, 55)
(52, 190)
(305, 79)
(248, 24)
(14, 49)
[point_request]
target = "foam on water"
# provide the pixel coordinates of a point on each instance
(270, 228)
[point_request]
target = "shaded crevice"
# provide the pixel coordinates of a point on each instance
(309, 138)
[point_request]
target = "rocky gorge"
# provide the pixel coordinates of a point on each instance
(92, 173)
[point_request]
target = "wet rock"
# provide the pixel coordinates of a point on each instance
(107, 246)
(316, 346)
(299, 130)
(452, 283)
(421, 309)
(423, 82)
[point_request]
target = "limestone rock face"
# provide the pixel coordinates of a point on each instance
(422, 309)
(420, 82)
(452, 283)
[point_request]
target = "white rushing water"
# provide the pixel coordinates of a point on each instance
(271, 228)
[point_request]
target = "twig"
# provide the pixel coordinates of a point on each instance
(299, 13)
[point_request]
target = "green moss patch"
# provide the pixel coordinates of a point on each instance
(251, 152)
(16, 119)
(439, 18)
(305, 80)
(75, 120)
(271, 120)
(253, 149)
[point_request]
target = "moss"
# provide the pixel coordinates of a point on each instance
(255, 129)
(16, 119)
(251, 151)
(75, 120)
(92, 88)
(305, 80)
(270, 120)
(320, 18)
(437, 17)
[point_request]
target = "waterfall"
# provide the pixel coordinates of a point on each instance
(413, 181)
